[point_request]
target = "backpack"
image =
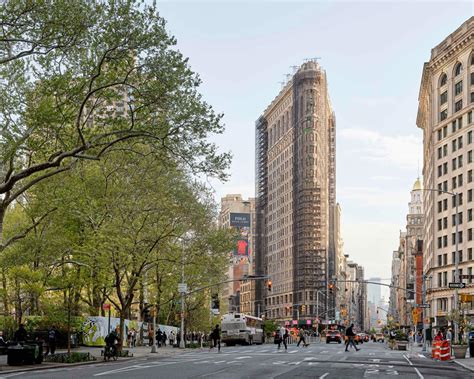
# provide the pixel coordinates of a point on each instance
(52, 334)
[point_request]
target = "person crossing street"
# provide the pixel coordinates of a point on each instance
(350, 338)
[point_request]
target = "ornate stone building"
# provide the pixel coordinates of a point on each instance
(445, 114)
(295, 180)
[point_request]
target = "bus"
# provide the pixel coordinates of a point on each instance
(239, 328)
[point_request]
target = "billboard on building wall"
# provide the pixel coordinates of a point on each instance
(241, 223)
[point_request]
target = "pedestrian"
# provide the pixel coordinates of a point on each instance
(52, 339)
(150, 337)
(449, 335)
(171, 338)
(129, 339)
(159, 337)
(134, 338)
(21, 334)
(283, 337)
(164, 338)
(301, 337)
(178, 338)
(350, 338)
(2, 341)
(216, 338)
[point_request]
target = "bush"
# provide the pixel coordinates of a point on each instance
(69, 358)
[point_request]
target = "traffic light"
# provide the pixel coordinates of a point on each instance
(215, 302)
(303, 308)
(269, 285)
(331, 287)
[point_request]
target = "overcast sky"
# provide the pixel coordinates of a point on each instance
(373, 53)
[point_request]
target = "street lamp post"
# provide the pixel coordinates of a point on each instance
(182, 344)
(456, 254)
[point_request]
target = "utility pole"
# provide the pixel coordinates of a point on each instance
(153, 346)
(182, 343)
(456, 260)
(423, 301)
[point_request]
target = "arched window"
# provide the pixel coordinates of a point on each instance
(472, 59)
(458, 69)
(443, 80)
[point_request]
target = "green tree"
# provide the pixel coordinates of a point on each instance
(81, 78)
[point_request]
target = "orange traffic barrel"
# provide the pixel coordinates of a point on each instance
(445, 351)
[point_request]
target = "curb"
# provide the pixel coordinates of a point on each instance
(65, 365)
(463, 365)
(51, 366)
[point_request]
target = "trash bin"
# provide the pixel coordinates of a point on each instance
(24, 354)
(471, 344)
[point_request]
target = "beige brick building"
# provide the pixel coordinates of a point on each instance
(239, 214)
(445, 114)
(295, 179)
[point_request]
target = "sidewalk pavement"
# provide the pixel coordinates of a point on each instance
(416, 351)
(135, 352)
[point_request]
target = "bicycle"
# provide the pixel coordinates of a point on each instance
(110, 352)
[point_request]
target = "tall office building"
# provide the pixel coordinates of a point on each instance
(295, 190)
(445, 113)
(239, 214)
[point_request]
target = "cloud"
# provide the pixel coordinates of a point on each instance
(403, 151)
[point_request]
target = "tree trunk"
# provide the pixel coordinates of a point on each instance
(2, 217)
(6, 305)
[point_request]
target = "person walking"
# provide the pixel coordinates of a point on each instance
(301, 337)
(216, 338)
(52, 337)
(350, 338)
(171, 338)
(283, 337)
(164, 338)
(159, 337)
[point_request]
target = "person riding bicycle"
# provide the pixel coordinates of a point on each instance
(111, 342)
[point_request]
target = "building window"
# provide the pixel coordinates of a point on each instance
(458, 69)
(458, 88)
(460, 161)
(440, 151)
(439, 261)
(443, 98)
(469, 215)
(445, 130)
(445, 222)
(445, 168)
(472, 97)
(460, 142)
(440, 135)
(469, 272)
(457, 106)
(469, 254)
(445, 150)
(443, 115)
(454, 179)
(472, 78)
(444, 80)
(469, 156)
(445, 259)
(469, 137)
(469, 117)
(469, 176)
(469, 234)
(440, 280)
(453, 143)
(460, 181)
(454, 163)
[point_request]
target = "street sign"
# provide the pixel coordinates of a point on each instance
(457, 285)
(422, 305)
(106, 307)
(182, 287)
(466, 276)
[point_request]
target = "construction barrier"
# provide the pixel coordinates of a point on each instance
(436, 350)
(445, 351)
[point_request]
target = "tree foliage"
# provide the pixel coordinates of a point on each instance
(80, 77)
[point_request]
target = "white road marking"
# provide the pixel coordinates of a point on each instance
(324, 375)
(421, 356)
(279, 362)
(294, 363)
(219, 362)
(313, 363)
(293, 351)
(411, 364)
(132, 368)
(244, 357)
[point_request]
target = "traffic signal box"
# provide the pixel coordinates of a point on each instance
(465, 298)
(269, 285)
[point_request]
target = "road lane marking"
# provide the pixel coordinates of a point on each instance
(211, 373)
(411, 364)
(132, 368)
(293, 351)
(244, 357)
(324, 375)
(219, 362)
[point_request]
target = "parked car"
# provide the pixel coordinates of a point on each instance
(333, 336)
(379, 337)
(363, 337)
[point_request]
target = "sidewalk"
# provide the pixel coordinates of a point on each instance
(415, 351)
(136, 352)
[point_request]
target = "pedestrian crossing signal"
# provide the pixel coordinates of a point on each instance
(269, 285)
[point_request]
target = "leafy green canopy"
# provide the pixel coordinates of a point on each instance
(79, 77)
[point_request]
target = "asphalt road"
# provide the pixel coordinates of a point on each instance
(319, 360)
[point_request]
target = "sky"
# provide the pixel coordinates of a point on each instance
(373, 54)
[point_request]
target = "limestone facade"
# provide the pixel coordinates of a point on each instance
(445, 113)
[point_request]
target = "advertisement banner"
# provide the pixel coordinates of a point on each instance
(241, 223)
(240, 220)
(95, 329)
